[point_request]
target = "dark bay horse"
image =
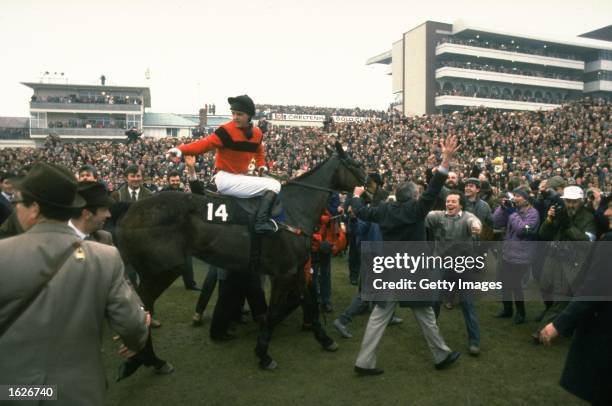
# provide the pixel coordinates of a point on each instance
(157, 234)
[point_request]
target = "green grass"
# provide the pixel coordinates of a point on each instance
(509, 371)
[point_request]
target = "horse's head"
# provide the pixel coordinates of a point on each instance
(350, 173)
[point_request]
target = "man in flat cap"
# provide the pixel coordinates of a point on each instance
(237, 143)
(55, 291)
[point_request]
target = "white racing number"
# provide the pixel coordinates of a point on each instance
(221, 212)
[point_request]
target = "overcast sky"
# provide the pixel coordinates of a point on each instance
(307, 52)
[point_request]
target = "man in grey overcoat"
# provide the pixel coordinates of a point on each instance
(56, 290)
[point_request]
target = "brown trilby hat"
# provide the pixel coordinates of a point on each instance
(51, 184)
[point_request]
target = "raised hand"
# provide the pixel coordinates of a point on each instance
(449, 147)
(190, 161)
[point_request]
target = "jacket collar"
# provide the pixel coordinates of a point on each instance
(52, 227)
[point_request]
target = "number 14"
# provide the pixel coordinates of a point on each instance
(220, 212)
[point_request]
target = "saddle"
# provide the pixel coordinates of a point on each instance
(223, 209)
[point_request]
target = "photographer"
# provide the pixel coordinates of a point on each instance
(521, 221)
(568, 221)
(549, 194)
(597, 205)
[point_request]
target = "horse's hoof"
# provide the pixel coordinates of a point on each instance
(127, 369)
(332, 347)
(272, 365)
(165, 369)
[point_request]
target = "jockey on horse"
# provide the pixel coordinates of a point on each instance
(238, 142)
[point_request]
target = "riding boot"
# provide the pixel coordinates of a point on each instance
(263, 223)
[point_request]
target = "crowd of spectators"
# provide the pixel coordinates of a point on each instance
(511, 47)
(99, 99)
(81, 123)
(508, 69)
(265, 110)
(572, 141)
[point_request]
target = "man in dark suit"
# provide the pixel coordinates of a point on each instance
(404, 221)
(6, 195)
(588, 367)
(174, 185)
(133, 190)
(55, 288)
(88, 223)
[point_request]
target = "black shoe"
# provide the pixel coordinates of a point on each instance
(368, 371)
(194, 287)
(165, 369)
(269, 227)
(327, 308)
(503, 314)
(448, 361)
(519, 318)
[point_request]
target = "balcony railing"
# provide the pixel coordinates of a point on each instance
(47, 106)
(79, 132)
(508, 78)
(508, 56)
(447, 100)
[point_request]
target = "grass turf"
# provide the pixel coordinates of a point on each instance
(509, 371)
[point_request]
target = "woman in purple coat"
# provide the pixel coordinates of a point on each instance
(522, 222)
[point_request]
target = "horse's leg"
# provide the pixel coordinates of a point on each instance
(149, 290)
(277, 311)
(312, 312)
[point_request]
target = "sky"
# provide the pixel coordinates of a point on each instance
(307, 52)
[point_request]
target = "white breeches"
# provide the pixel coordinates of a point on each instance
(236, 185)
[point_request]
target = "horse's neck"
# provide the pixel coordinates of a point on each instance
(305, 205)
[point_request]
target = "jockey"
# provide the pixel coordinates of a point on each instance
(238, 142)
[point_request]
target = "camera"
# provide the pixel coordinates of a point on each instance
(508, 202)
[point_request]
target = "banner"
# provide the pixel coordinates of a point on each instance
(297, 117)
(351, 119)
(318, 118)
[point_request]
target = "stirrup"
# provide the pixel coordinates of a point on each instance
(275, 225)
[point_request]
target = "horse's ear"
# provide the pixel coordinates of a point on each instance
(340, 150)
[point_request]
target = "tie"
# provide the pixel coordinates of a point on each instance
(133, 195)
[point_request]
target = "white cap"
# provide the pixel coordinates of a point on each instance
(573, 193)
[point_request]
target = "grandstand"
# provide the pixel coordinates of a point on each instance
(95, 112)
(438, 67)
(86, 111)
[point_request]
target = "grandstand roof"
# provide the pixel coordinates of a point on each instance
(167, 120)
(604, 34)
(212, 120)
(14, 122)
(577, 43)
(146, 93)
(384, 58)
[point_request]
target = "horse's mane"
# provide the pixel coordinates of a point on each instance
(310, 171)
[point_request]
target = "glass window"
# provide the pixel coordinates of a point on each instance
(133, 120)
(38, 120)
